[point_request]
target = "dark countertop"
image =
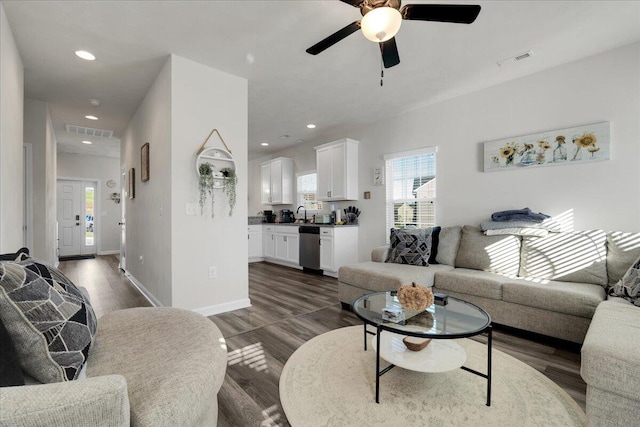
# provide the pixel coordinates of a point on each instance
(257, 220)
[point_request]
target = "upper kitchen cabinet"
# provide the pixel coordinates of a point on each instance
(337, 169)
(277, 181)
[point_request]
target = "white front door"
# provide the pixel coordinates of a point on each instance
(77, 226)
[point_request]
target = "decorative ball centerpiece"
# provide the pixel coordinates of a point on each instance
(415, 297)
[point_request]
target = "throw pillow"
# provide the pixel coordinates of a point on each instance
(50, 322)
(435, 241)
(410, 246)
(10, 372)
(22, 254)
(629, 286)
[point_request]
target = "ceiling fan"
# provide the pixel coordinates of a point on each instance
(381, 21)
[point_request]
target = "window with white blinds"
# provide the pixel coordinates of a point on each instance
(307, 187)
(411, 189)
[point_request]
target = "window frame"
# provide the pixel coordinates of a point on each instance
(299, 194)
(390, 219)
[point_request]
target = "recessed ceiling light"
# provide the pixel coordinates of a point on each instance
(87, 142)
(91, 117)
(285, 136)
(311, 126)
(264, 144)
(94, 102)
(88, 56)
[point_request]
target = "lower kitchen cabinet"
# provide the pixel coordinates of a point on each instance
(281, 244)
(338, 247)
(255, 243)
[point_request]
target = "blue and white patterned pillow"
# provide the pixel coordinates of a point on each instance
(629, 286)
(51, 324)
(410, 246)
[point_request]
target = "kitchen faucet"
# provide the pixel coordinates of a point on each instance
(305, 212)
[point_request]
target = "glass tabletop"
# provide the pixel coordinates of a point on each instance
(457, 319)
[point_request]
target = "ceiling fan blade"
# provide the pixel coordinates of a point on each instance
(334, 38)
(455, 13)
(389, 51)
(354, 3)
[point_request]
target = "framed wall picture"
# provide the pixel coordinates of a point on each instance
(132, 183)
(582, 144)
(144, 162)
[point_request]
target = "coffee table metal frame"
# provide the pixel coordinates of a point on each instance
(381, 326)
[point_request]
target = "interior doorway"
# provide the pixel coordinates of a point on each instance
(77, 219)
(123, 234)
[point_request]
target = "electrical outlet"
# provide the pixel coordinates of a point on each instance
(192, 208)
(213, 272)
(141, 259)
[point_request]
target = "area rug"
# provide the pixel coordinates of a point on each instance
(330, 381)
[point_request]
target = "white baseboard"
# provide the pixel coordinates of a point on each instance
(224, 307)
(256, 259)
(148, 295)
(109, 252)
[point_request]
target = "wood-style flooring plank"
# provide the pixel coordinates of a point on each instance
(290, 307)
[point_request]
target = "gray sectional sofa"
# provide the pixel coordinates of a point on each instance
(553, 285)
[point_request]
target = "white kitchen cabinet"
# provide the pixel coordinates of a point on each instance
(268, 242)
(326, 253)
(283, 242)
(255, 243)
(337, 169)
(338, 247)
(276, 181)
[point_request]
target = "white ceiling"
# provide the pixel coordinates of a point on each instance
(265, 42)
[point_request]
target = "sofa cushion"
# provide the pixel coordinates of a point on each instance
(472, 282)
(622, 250)
(498, 254)
(50, 323)
(610, 359)
(448, 243)
(578, 299)
(410, 246)
(377, 276)
(568, 257)
(629, 286)
(173, 360)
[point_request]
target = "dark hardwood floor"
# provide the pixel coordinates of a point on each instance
(288, 308)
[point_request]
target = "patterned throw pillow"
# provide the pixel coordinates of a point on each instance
(629, 286)
(410, 246)
(51, 324)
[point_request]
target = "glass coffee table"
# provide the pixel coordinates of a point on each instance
(440, 323)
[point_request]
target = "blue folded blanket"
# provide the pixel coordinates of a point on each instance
(548, 224)
(524, 214)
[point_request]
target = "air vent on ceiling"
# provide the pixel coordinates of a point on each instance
(516, 58)
(83, 130)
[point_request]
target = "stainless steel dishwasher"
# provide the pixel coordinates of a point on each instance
(310, 248)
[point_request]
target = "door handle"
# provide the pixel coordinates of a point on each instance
(121, 223)
(77, 217)
(77, 223)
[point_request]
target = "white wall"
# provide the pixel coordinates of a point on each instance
(38, 131)
(202, 99)
(100, 169)
(148, 215)
(604, 195)
(11, 124)
(185, 102)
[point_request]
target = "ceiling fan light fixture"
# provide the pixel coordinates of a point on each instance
(381, 24)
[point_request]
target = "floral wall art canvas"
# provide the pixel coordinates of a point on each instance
(582, 144)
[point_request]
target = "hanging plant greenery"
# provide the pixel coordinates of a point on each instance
(205, 185)
(229, 184)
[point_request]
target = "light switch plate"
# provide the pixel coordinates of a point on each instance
(192, 209)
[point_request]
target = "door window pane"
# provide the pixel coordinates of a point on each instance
(89, 203)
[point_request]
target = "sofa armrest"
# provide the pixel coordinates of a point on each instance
(380, 254)
(100, 401)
